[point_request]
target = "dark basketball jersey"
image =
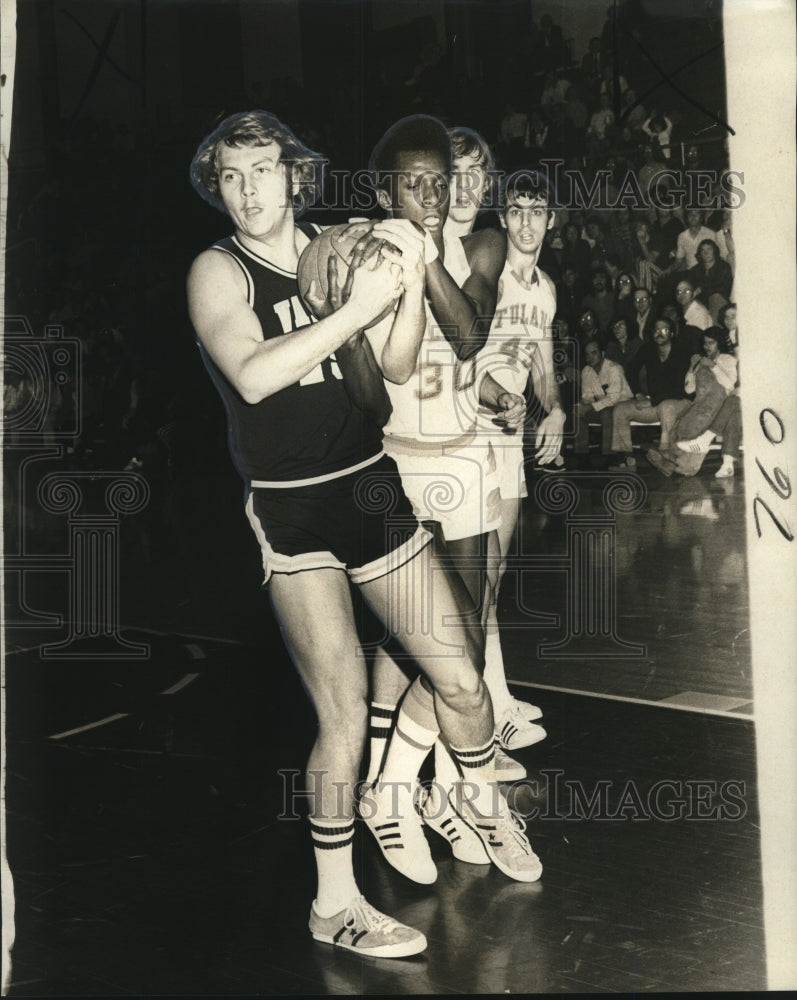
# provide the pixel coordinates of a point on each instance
(308, 430)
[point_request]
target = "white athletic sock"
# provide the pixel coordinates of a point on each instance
(478, 770)
(380, 726)
(332, 846)
(494, 673)
(414, 735)
(445, 768)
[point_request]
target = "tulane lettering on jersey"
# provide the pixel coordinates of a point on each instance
(308, 429)
(523, 317)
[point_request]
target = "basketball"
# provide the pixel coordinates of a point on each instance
(338, 240)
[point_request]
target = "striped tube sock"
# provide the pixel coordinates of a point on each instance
(414, 735)
(494, 674)
(332, 846)
(478, 770)
(445, 769)
(380, 726)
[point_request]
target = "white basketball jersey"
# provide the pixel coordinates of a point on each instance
(430, 406)
(523, 316)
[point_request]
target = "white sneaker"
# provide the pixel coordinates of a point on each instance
(507, 769)
(389, 810)
(439, 815)
(514, 730)
(363, 929)
(528, 711)
(501, 832)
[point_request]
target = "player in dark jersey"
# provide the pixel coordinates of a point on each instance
(303, 401)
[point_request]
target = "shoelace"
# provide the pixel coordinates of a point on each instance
(361, 912)
(515, 835)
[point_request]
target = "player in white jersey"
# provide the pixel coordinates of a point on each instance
(473, 183)
(430, 435)
(519, 348)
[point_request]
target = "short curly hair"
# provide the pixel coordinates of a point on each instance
(257, 128)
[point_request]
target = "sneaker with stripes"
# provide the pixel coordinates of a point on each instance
(502, 833)
(439, 815)
(363, 929)
(515, 730)
(389, 810)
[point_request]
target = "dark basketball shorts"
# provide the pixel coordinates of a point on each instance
(361, 522)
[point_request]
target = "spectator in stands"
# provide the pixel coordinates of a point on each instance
(727, 319)
(711, 378)
(588, 327)
(623, 304)
(570, 292)
(666, 364)
(622, 348)
(600, 300)
(623, 236)
(592, 64)
(597, 130)
(575, 251)
(642, 326)
(694, 312)
(633, 114)
(603, 385)
(689, 240)
(659, 128)
(724, 239)
(711, 278)
(648, 253)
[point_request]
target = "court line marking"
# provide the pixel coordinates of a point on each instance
(637, 701)
(89, 725)
(183, 682)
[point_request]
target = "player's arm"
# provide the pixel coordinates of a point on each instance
(397, 339)
(510, 407)
(546, 388)
(231, 333)
(465, 314)
(362, 377)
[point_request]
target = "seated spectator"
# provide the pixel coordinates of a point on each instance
(711, 378)
(600, 246)
(607, 83)
(603, 385)
(537, 135)
(597, 130)
(622, 348)
(623, 236)
(723, 237)
(512, 134)
(666, 364)
(633, 114)
(648, 253)
(727, 319)
(575, 252)
(587, 328)
(689, 337)
(642, 325)
(689, 240)
(600, 300)
(711, 278)
(569, 294)
(624, 297)
(592, 64)
(694, 312)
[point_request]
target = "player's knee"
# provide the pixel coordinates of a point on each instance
(463, 691)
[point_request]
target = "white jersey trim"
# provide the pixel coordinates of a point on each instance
(264, 261)
(286, 484)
